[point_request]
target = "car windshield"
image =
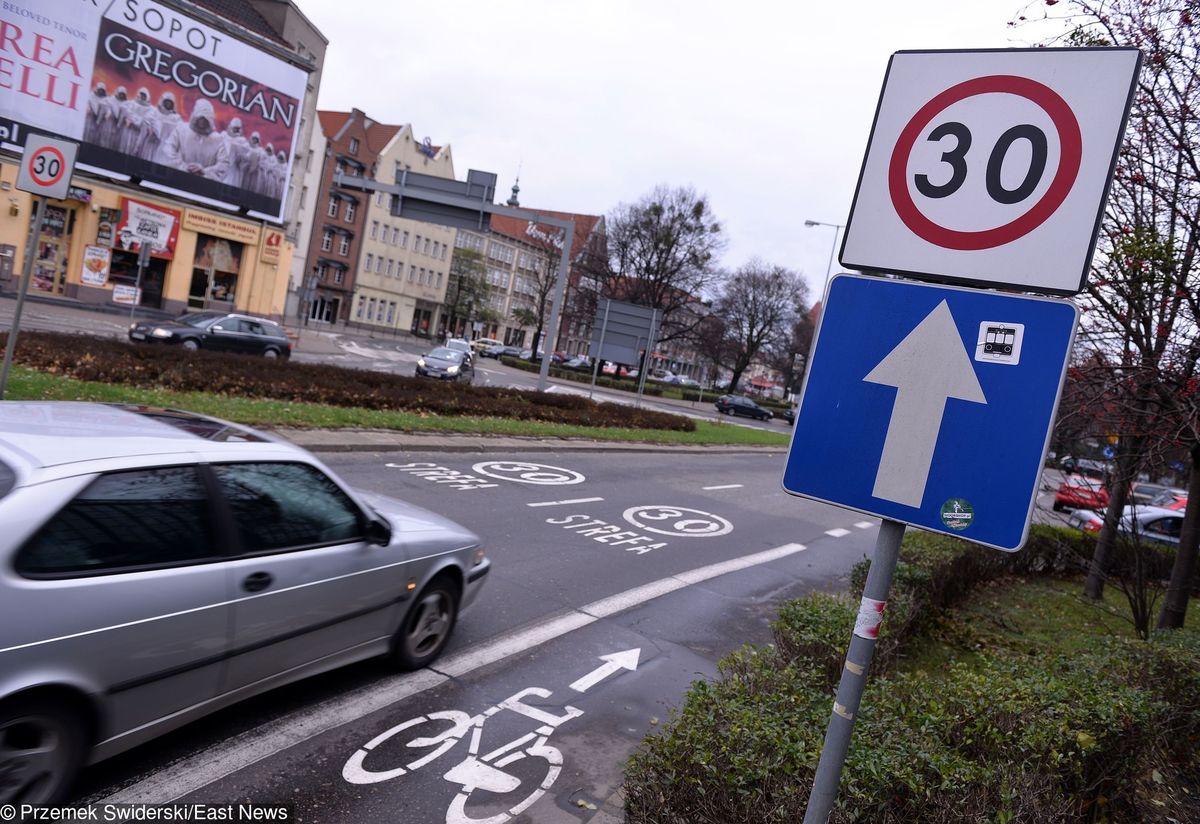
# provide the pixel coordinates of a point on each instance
(201, 320)
(442, 353)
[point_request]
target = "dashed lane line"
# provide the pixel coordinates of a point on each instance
(837, 533)
(570, 501)
(723, 486)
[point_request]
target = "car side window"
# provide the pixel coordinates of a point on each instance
(250, 327)
(283, 506)
(123, 521)
(1170, 527)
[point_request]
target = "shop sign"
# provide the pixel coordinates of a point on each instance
(146, 222)
(79, 193)
(96, 260)
(106, 229)
(272, 243)
(128, 295)
(219, 226)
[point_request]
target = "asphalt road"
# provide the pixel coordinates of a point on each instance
(708, 554)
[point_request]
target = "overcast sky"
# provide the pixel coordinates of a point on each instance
(765, 107)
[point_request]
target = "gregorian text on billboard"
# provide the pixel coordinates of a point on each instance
(152, 94)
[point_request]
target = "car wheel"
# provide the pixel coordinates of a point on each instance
(427, 625)
(42, 747)
(271, 353)
(191, 344)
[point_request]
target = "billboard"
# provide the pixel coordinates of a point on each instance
(154, 95)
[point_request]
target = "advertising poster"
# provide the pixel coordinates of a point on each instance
(153, 94)
(96, 260)
(126, 294)
(156, 225)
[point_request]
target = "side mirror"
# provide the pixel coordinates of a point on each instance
(218, 328)
(379, 532)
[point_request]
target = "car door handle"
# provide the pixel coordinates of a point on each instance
(257, 582)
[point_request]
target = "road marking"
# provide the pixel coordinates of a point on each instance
(837, 533)
(571, 501)
(864, 524)
(726, 486)
(207, 766)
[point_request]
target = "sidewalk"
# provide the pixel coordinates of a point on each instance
(377, 440)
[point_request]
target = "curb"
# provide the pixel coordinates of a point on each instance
(372, 442)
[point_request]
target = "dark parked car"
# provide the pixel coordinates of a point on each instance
(445, 365)
(216, 332)
(159, 566)
(501, 351)
(578, 362)
(739, 405)
(789, 415)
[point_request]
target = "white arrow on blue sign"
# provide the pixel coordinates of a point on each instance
(931, 405)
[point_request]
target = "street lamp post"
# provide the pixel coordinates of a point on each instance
(837, 227)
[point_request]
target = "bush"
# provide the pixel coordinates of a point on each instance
(170, 368)
(1010, 734)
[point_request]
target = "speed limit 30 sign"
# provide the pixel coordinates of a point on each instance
(991, 167)
(47, 166)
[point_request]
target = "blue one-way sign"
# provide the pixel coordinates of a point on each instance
(931, 406)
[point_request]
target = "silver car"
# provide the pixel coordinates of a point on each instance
(156, 566)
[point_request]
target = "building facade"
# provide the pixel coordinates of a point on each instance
(404, 265)
(353, 144)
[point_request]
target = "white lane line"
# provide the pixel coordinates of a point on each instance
(569, 501)
(726, 486)
(864, 524)
(837, 533)
(203, 768)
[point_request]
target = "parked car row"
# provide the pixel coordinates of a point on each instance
(1150, 523)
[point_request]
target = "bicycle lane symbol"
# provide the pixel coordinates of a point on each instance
(486, 772)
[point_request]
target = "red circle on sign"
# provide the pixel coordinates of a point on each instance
(1070, 154)
(62, 166)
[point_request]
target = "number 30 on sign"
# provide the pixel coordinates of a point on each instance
(991, 167)
(47, 166)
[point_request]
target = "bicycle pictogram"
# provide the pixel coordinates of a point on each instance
(484, 778)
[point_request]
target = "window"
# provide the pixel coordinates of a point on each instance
(374, 229)
(308, 161)
(412, 273)
(344, 245)
(504, 254)
(391, 311)
(125, 520)
(404, 241)
(443, 257)
(320, 271)
(416, 243)
(354, 145)
(327, 240)
(439, 280)
(379, 199)
(436, 246)
(303, 195)
(391, 267)
(339, 275)
(339, 167)
(379, 265)
(349, 212)
(370, 261)
(425, 250)
(421, 279)
(358, 313)
(282, 506)
(371, 309)
(333, 206)
(395, 235)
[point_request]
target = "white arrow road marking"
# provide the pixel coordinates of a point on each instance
(929, 366)
(612, 662)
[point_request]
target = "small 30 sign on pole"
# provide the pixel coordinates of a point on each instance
(47, 166)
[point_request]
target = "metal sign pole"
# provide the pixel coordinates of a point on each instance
(143, 258)
(27, 275)
(600, 348)
(854, 673)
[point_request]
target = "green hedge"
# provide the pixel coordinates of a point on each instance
(1012, 735)
(156, 366)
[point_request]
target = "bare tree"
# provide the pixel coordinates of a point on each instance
(757, 307)
(1141, 312)
(661, 253)
(466, 289)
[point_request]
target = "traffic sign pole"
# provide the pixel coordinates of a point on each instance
(854, 673)
(26, 276)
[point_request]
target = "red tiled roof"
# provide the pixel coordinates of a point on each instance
(332, 122)
(379, 134)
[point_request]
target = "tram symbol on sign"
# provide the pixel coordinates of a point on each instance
(999, 342)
